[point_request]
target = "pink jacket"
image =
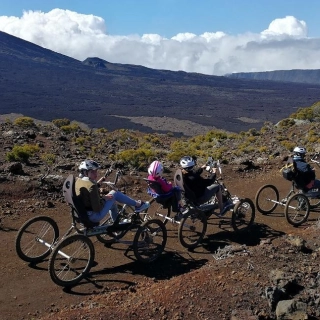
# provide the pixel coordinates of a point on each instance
(165, 186)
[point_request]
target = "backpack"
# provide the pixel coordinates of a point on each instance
(288, 172)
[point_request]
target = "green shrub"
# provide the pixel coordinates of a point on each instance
(253, 132)
(48, 158)
(102, 130)
(286, 123)
(263, 149)
(181, 148)
(22, 153)
(304, 114)
(25, 122)
(136, 158)
(73, 127)
(288, 145)
(61, 122)
(80, 141)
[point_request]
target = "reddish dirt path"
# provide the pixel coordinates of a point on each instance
(28, 292)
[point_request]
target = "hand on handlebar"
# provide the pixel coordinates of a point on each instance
(107, 173)
(108, 196)
(315, 158)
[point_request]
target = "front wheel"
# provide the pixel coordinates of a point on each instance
(267, 198)
(243, 215)
(192, 228)
(150, 240)
(36, 238)
(297, 209)
(71, 260)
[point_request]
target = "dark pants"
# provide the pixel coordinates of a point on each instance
(209, 193)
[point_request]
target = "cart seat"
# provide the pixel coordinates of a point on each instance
(78, 211)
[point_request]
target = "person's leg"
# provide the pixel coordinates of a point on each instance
(139, 206)
(177, 195)
(214, 189)
(220, 202)
(210, 191)
(122, 198)
(108, 205)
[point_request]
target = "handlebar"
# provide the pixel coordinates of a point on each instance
(112, 184)
(212, 164)
(316, 158)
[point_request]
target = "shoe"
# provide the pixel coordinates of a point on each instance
(124, 221)
(183, 209)
(142, 207)
(226, 207)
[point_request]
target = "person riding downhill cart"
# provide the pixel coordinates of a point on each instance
(159, 186)
(304, 175)
(97, 205)
(203, 189)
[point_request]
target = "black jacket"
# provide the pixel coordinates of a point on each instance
(196, 183)
(304, 174)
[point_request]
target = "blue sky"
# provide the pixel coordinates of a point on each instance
(212, 37)
(169, 17)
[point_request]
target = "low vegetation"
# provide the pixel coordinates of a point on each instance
(135, 149)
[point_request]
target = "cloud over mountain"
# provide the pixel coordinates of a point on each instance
(283, 45)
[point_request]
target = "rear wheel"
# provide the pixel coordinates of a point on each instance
(297, 209)
(36, 238)
(243, 215)
(192, 228)
(150, 240)
(266, 198)
(71, 260)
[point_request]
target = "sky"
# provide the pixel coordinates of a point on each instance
(215, 37)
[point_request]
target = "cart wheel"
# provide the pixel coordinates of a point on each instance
(297, 209)
(36, 238)
(150, 240)
(71, 260)
(192, 228)
(266, 198)
(243, 215)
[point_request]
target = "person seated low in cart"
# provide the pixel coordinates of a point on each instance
(203, 189)
(162, 189)
(304, 175)
(97, 205)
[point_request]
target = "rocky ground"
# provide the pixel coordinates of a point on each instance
(271, 272)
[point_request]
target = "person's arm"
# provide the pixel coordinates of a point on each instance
(312, 173)
(198, 171)
(95, 198)
(165, 186)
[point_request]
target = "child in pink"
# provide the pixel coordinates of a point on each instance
(161, 185)
(155, 171)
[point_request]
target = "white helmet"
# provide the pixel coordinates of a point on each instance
(88, 165)
(155, 169)
(187, 162)
(299, 153)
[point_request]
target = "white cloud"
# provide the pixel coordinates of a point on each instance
(287, 26)
(284, 45)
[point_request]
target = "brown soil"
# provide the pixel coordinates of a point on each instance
(182, 284)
